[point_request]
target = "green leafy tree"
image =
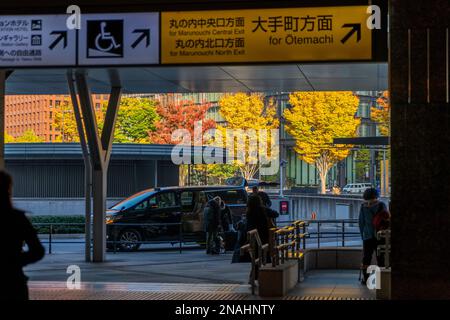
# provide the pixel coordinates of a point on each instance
(221, 172)
(362, 163)
(135, 119)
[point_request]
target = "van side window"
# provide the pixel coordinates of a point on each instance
(232, 196)
(162, 200)
(186, 201)
(142, 206)
(166, 200)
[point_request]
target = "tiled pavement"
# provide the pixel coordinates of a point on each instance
(318, 285)
(191, 275)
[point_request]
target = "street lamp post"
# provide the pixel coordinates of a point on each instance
(283, 164)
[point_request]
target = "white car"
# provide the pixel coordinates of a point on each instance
(356, 187)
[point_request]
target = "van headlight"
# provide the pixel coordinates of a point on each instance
(112, 218)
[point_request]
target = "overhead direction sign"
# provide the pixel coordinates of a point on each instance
(42, 40)
(119, 39)
(266, 35)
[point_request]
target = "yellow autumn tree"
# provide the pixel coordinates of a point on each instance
(9, 138)
(244, 113)
(29, 137)
(381, 113)
(314, 120)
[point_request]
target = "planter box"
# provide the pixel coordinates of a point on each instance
(277, 281)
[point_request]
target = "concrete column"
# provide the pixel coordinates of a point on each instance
(372, 168)
(420, 140)
(87, 164)
(2, 118)
(99, 153)
(99, 209)
(156, 173)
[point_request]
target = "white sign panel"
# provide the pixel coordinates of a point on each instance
(113, 39)
(36, 41)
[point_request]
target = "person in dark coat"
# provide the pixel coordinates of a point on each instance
(213, 223)
(256, 218)
(270, 213)
(17, 231)
(265, 199)
(226, 218)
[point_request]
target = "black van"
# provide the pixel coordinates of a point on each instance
(161, 214)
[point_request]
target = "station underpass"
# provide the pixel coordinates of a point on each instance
(151, 274)
(417, 264)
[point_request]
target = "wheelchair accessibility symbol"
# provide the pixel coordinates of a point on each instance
(105, 39)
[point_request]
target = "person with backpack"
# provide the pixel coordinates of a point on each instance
(373, 217)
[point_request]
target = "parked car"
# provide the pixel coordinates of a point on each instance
(356, 187)
(160, 215)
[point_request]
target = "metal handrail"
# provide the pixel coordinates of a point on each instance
(258, 254)
(319, 234)
(313, 233)
(50, 241)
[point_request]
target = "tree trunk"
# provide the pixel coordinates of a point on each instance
(248, 170)
(323, 166)
(323, 182)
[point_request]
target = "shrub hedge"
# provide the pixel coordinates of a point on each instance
(58, 229)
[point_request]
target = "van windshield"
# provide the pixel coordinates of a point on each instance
(132, 201)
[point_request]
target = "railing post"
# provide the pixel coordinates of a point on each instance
(272, 246)
(50, 239)
(114, 238)
(318, 234)
(343, 233)
(304, 238)
(181, 237)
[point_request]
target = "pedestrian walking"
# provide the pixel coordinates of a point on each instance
(212, 220)
(270, 213)
(373, 217)
(17, 231)
(256, 218)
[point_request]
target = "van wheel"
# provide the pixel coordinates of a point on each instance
(129, 240)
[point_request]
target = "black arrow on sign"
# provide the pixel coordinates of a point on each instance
(145, 33)
(62, 36)
(356, 27)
